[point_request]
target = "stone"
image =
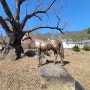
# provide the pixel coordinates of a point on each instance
(58, 76)
(8, 54)
(55, 74)
(11, 55)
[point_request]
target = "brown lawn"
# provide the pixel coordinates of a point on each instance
(23, 74)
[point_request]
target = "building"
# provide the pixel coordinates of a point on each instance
(71, 44)
(85, 42)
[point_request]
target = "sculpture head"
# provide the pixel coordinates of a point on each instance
(27, 36)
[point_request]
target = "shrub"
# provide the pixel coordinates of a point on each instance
(76, 48)
(86, 48)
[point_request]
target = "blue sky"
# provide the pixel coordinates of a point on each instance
(76, 12)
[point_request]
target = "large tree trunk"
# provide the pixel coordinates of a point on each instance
(17, 46)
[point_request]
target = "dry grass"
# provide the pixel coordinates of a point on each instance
(23, 74)
(79, 67)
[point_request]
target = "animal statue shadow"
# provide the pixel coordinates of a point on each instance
(44, 46)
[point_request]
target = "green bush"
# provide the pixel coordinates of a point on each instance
(76, 48)
(86, 48)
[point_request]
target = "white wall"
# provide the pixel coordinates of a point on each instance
(71, 45)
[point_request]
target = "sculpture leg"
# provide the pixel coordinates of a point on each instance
(56, 55)
(39, 57)
(62, 63)
(61, 54)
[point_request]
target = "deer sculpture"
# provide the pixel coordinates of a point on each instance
(42, 46)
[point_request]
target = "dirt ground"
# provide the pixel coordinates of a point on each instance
(23, 74)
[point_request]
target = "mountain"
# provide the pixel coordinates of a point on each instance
(74, 35)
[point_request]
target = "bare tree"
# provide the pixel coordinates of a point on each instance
(14, 27)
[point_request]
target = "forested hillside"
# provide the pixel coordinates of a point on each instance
(74, 35)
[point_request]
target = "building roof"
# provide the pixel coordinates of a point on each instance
(81, 42)
(85, 41)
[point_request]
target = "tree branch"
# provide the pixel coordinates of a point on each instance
(58, 19)
(35, 13)
(17, 10)
(40, 27)
(38, 17)
(21, 1)
(65, 23)
(17, 14)
(50, 5)
(4, 25)
(7, 19)
(38, 5)
(9, 14)
(6, 9)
